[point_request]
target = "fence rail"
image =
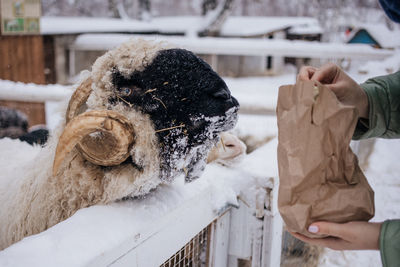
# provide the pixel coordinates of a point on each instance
(241, 46)
(18, 91)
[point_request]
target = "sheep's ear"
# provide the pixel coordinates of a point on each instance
(78, 99)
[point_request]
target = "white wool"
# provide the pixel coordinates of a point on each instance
(32, 199)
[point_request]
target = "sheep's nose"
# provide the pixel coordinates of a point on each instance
(230, 103)
(234, 101)
(222, 94)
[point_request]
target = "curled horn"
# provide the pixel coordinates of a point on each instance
(112, 138)
(103, 137)
(78, 98)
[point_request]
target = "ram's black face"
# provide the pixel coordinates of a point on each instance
(183, 96)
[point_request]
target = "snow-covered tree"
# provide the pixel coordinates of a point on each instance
(214, 19)
(144, 10)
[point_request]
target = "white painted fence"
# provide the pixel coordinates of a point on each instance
(240, 46)
(214, 47)
(235, 233)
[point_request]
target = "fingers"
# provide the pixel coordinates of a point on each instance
(327, 74)
(346, 236)
(328, 242)
(330, 229)
(305, 73)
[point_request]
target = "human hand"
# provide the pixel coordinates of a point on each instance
(344, 236)
(345, 88)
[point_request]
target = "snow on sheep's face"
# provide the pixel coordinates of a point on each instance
(188, 103)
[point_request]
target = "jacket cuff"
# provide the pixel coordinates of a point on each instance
(376, 125)
(389, 243)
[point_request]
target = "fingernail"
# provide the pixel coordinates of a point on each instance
(313, 229)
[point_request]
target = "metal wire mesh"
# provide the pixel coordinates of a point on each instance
(193, 254)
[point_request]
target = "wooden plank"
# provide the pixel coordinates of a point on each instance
(241, 231)
(49, 59)
(220, 241)
(38, 60)
(21, 68)
(22, 61)
(34, 111)
(5, 72)
(272, 229)
(30, 60)
(27, 50)
(154, 244)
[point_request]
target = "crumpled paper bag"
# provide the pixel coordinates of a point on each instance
(320, 179)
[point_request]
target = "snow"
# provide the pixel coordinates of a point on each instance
(33, 92)
(306, 29)
(73, 25)
(380, 33)
(387, 66)
(97, 229)
(234, 25)
(251, 26)
(240, 46)
(51, 94)
(258, 93)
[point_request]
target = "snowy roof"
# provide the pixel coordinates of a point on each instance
(74, 25)
(233, 26)
(250, 26)
(385, 37)
(306, 29)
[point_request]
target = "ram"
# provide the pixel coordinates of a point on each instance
(143, 115)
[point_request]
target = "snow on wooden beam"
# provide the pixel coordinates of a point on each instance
(241, 46)
(18, 91)
(154, 244)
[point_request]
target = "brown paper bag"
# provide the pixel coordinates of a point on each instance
(320, 179)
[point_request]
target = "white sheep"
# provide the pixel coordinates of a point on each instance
(228, 151)
(143, 115)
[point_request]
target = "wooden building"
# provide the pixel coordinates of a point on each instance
(22, 52)
(374, 35)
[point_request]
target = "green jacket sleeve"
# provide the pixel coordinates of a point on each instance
(384, 108)
(389, 243)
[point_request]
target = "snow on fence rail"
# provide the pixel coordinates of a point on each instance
(226, 217)
(241, 46)
(18, 91)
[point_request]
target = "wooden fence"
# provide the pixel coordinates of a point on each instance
(22, 60)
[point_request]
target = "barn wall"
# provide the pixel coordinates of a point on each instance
(22, 60)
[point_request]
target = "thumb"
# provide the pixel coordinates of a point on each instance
(327, 228)
(338, 90)
(326, 74)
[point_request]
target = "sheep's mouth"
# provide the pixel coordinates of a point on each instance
(226, 122)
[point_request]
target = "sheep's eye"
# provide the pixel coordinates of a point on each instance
(126, 91)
